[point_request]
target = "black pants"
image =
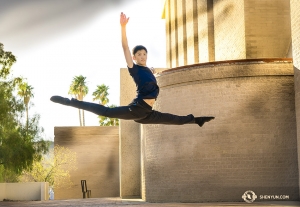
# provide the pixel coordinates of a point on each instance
(137, 110)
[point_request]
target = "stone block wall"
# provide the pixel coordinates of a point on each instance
(97, 150)
(251, 145)
(295, 19)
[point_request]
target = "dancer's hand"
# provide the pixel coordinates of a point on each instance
(123, 19)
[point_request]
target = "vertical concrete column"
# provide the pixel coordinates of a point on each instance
(211, 31)
(295, 19)
(174, 35)
(143, 134)
(229, 29)
(181, 30)
(202, 31)
(267, 28)
(190, 32)
(44, 191)
(130, 155)
(167, 16)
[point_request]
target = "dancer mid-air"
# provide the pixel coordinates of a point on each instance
(140, 109)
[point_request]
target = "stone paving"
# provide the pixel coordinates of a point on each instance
(114, 202)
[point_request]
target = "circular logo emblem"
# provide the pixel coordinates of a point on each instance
(249, 196)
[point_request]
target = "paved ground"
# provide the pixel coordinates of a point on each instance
(113, 202)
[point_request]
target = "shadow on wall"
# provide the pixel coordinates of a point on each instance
(111, 166)
(212, 19)
(252, 145)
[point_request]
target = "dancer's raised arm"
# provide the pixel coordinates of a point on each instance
(123, 21)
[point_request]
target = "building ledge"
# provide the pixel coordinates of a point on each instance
(262, 60)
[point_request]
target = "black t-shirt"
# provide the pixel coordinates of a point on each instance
(146, 85)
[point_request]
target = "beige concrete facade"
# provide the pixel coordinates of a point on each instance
(229, 30)
(252, 143)
(131, 169)
(201, 31)
(295, 19)
(268, 28)
(97, 150)
(248, 146)
(204, 31)
(31, 191)
(130, 145)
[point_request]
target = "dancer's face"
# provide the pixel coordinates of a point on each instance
(140, 57)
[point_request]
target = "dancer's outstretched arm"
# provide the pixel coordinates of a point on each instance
(123, 21)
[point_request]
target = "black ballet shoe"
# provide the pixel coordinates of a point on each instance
(201, 120)
(60, 100)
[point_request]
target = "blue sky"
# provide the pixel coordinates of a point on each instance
(55, 40)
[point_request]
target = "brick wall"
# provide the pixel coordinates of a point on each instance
(295, 19)
(251, 145)
(97, 150)
(268, 28)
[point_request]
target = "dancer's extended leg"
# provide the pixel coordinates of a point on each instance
(130, 112)
(138, 111)
(157, 117)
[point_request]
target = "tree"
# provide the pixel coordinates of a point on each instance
(18, 144)
(79, 89)
(101, 94)
(26, 92)
(54, 168)
(7, 59)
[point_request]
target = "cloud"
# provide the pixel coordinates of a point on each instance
(29, 21)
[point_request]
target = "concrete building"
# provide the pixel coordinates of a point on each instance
(232, 59)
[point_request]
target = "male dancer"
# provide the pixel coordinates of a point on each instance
(140, 109)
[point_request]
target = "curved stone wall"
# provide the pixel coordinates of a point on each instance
(251, 145)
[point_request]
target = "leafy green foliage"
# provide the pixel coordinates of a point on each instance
(20, 144)
(101, 94)
(7, 59)
(53, 168)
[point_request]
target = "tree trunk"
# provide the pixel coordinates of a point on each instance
(26, 102)
(79, 117)
(83, 121)
(27, 117)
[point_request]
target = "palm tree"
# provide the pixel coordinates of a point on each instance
(26, 92)
(101, 94)
(79, 89)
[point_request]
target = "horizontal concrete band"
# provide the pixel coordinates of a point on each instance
(227, 69)
(91, 130)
